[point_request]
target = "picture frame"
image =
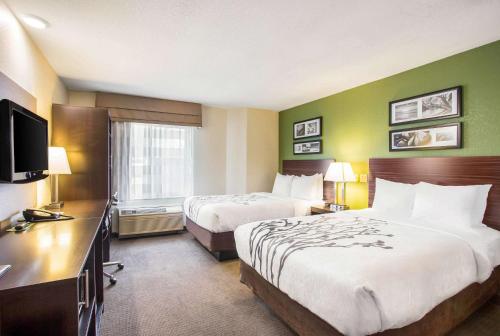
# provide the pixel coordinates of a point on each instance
(436, 105)
(308, 147)
(446, 136)
(308, 128)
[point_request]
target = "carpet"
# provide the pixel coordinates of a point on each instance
(172, 286)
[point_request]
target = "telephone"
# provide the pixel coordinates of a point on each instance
(38, 215)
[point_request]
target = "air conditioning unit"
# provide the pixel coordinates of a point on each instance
(143, 221)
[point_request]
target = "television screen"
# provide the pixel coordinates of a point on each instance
(30, 143)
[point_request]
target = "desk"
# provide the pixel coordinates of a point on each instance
(41, 292)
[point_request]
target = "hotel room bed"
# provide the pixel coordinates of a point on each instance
(223, 213)
(362, 273)
(369, 272)
(212, 219)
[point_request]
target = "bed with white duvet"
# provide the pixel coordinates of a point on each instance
(291, 196)
(222, 213)
(370, 270)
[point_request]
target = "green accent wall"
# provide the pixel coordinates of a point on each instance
(356, 121)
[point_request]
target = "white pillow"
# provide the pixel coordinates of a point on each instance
(319, 187)
(282, 184)
(318, 191)
(304, 187)
(456, 206)
(393, 197)
(481, 202)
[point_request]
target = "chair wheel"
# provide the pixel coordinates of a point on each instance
(121, 266)
(112, 281)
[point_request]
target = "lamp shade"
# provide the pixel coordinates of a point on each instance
(58, 161)
(340, 172)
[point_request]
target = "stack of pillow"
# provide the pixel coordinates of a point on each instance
(302, 187)
(454, 206)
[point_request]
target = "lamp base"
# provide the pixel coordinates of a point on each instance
(54, 205)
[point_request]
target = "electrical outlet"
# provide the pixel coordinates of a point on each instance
(363, 178)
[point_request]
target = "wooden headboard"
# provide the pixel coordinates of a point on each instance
(311, 167)
(465, 170)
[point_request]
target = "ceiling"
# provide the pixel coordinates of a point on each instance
(272, 54)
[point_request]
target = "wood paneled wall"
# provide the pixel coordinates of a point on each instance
(85, 134)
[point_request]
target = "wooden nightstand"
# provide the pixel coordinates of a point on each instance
(325, 209)
(320, 210)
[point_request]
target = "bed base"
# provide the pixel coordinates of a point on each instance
(439, 321)
(220, 244)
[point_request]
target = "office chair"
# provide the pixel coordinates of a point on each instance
(111, 277)
(105, 234)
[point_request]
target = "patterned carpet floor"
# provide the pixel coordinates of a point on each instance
(172, 286)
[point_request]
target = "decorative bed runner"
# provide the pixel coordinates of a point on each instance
(272, 242)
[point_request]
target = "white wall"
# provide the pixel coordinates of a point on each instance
(236, 151)
(210, 153)
(252, 150)
(82, 98)
(262, 149)
(22, 61)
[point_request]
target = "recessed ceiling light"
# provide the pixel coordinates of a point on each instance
(35, 21)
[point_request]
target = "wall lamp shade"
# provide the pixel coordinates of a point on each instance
(340, 172)
(58, 161)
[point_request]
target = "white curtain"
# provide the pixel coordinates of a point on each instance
(152, 161)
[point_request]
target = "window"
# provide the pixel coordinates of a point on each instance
(152, 161)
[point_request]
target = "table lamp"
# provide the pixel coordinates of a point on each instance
(340, 173)
(58, 164)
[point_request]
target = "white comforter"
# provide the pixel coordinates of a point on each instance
(222, 213)
(365, 275)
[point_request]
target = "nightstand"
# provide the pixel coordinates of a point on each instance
(326, 209)
(320, 210)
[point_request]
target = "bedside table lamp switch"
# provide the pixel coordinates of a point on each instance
(340, 173)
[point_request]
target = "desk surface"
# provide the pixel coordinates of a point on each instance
(51, 251)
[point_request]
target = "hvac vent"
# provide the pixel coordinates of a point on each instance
(134, 222)
(142, 211)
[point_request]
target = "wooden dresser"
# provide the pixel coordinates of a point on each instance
(55, 285)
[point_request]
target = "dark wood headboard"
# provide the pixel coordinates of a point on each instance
(310, 167)
(455, 170)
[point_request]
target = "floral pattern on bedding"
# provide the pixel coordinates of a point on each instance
(272, 242)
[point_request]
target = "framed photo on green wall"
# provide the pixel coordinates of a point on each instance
(429, 137)
(307, 128)
(308, 147)
(435, 105)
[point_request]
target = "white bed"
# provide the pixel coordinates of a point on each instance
(212, 219)
(223, 213)
(371, 272)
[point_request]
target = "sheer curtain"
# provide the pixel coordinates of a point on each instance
(152, 161)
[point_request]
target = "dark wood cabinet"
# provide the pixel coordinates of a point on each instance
(85, 134)
(55, 285)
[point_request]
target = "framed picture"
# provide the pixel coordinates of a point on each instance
(307, 128)
(430, 137)
(308, 147)
(441, 104)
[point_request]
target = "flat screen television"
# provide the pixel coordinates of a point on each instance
(23, 144)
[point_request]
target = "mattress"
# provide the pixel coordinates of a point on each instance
(223, 213)
(362, 272)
